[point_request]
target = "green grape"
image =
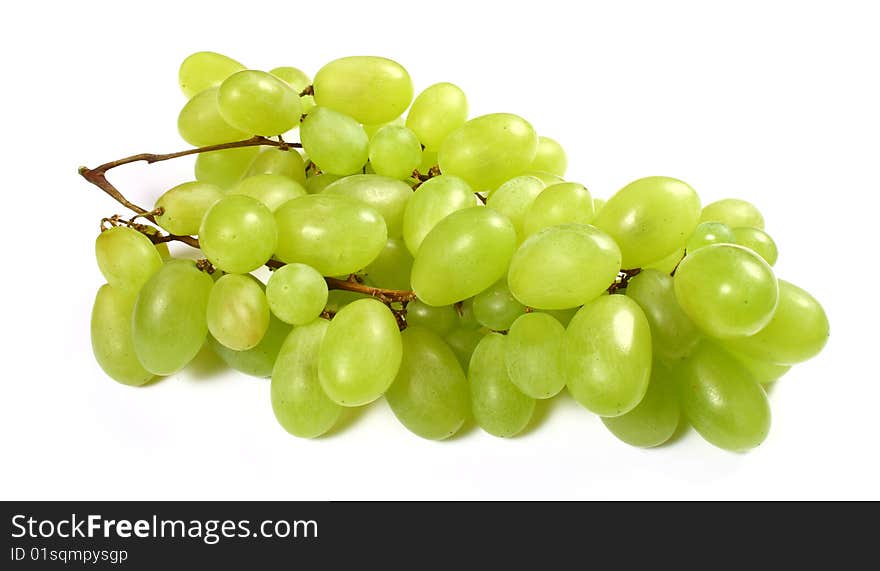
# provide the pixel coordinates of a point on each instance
(335, 142)
(371, 130)
(464, 254)
(463, 341)
(438, 111)
(650, 218)
(395, 152)
(162, 248)
(371, 89)
(759, 242)
(238, 313)
(561, 203)
(126, 258)
(499, 407)
(336, 235)
(496, 308)
(734, 212)
(238, 234)
(337, 299)
(606, 355)
(441, 320)
(433, 201)
(797, 331)
(295, 78)
(259, 103)
(204, 70)
(257, 361)
(392, 268)
(297, 293)
(360, 354)
(763, 372)
(722, 400)
(563, 316)
(726, 290)
(298, 401)
(224, 168)
(532, 355)
(547, 271)
(668, 264)
(276, 161)
(429, 159)
(169, 324)
(185, 205)
(545, 177)
(707, 233)
(549, 157)
(200, 123)
(272, 190)
(111, 337)
(656, 417)
(514, 198)
(489, 150)
(673, 334)
(388, 196)
(317, 184)
(429, 396)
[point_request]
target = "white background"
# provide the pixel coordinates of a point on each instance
(774, 102)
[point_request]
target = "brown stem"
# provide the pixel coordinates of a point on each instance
(384, 295)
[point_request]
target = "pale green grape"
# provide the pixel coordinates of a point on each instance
(169, 324)
(549, 157)
(532, 355)
(392, 267)
(437, 111)
(200, 123)
(371, 89)
(335, 142)
(796, 332)
(707, 233)
(763, 372)
(238, 234)
(259, 103)
(388, 196)
(606, 355)
(257, 361)
(294, 77)
(563, 316)
(545, 177)
(656, 417)
(463, 341)
(548, 269)
(673, 334)
(499, 407)
(429, 396)
(441, 320)
(514, 198)
(668, 264)
(650, 218)
(464, 254)
(489, 150)
(276, 161)
(298, 401)
(336, 235)
(203, 70)
(496, 308)
(185, 205)
(721, 399)
(759, 242)
(126, 258)
(395, 152)
(371, 130)
(297, 293)
(224, 168)
(429, 159)
(561, 203)
(272, 190)
(316, 184)
(726, 290)
(360, 354)
(433, 201)
(238, 313)
(734, 212)
(111, 337)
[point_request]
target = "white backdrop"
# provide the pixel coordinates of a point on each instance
(774, 102)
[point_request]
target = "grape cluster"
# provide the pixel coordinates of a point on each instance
(474, 279)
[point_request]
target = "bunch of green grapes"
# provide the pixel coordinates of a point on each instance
(445, 264)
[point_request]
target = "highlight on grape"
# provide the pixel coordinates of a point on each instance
(441, 262)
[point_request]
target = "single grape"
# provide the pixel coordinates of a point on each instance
(371, 89)
(496, 308)
(335, 142)
(185, 205)
(532, 355)
(224, 168)
(549, 157)
(204, 70)
(433, 201)
(759, 242)
(360, 354)
(388, 196)
(438, 111)
(763, 372)
(441, 320)
(392, 267)
(707, 233)
(257, 361)
(562, 203)
(673, 333)
(395, 152)
(238, 234)
(272, 190)
(112, 339)
(297, 293)
(200, 123)
(294, 77)
(238, 313)
(733, 212)
(429, 396)
(656, 417)
(726, 290)
(514, 198)
(259, 103)
(371, 130)
(316, 184)
(126, 258)
(499, 407)
(276, 161)
(606, 355)
(463, 341)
